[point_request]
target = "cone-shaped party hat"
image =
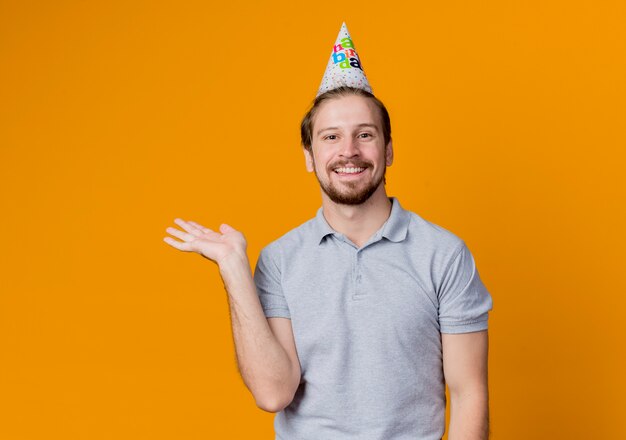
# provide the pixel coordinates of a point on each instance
(344, 66)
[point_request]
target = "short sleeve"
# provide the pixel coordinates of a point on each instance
(268, 285)
(464, 302)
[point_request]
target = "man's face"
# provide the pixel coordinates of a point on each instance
(349, 156)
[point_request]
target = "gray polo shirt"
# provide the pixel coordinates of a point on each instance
(367, 324)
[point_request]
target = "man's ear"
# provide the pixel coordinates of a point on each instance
(308, 158)
(389, 154)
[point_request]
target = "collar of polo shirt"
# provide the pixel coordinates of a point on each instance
(394, 229)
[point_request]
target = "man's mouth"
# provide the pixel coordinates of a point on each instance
(349, 170)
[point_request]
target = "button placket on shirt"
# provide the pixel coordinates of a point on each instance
(357, 263)
(354, 252)
(356, 274)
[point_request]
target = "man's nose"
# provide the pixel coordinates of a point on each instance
(350, 147)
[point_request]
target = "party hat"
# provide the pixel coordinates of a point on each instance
(344, 66)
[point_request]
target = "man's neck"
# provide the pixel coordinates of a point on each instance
(358, 222)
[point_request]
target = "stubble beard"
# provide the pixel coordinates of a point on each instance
(351, 196)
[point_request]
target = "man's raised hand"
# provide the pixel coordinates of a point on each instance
(216, 246)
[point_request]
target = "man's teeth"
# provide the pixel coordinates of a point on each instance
(349, 170)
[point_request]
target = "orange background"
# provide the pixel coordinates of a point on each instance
(117, 117)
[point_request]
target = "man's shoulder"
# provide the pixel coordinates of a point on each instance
(303, 234)
(428, 233)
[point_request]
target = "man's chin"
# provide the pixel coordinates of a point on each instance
(348, 193)
(351, 198)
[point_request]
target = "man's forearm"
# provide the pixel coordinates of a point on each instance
(263, 363)
(469, 416)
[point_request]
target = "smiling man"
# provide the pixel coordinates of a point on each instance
(354, 322)
(354, 145)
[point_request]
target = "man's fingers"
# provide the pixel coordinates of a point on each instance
(208, 233)
(199, 226)
(197, 229)
(181, 246)
(188, 226)
(180, 234)
(224, 228)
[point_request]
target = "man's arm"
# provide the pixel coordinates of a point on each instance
(266, 356)
(465, 369)
(265, 348)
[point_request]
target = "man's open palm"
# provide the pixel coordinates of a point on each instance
(216, 246)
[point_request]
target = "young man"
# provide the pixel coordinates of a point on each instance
(354, 321)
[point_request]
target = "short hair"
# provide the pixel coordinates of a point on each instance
(306, 127)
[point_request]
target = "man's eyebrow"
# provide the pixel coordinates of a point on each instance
(325, 129)
(364, 124)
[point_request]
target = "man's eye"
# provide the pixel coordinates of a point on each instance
(365, 135)
(331, 137)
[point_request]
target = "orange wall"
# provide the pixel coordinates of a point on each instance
(117, 117)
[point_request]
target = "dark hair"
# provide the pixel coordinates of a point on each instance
(306, 127)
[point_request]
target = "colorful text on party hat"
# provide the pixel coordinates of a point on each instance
(345, 55)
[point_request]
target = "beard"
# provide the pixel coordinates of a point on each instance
(352, 194)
